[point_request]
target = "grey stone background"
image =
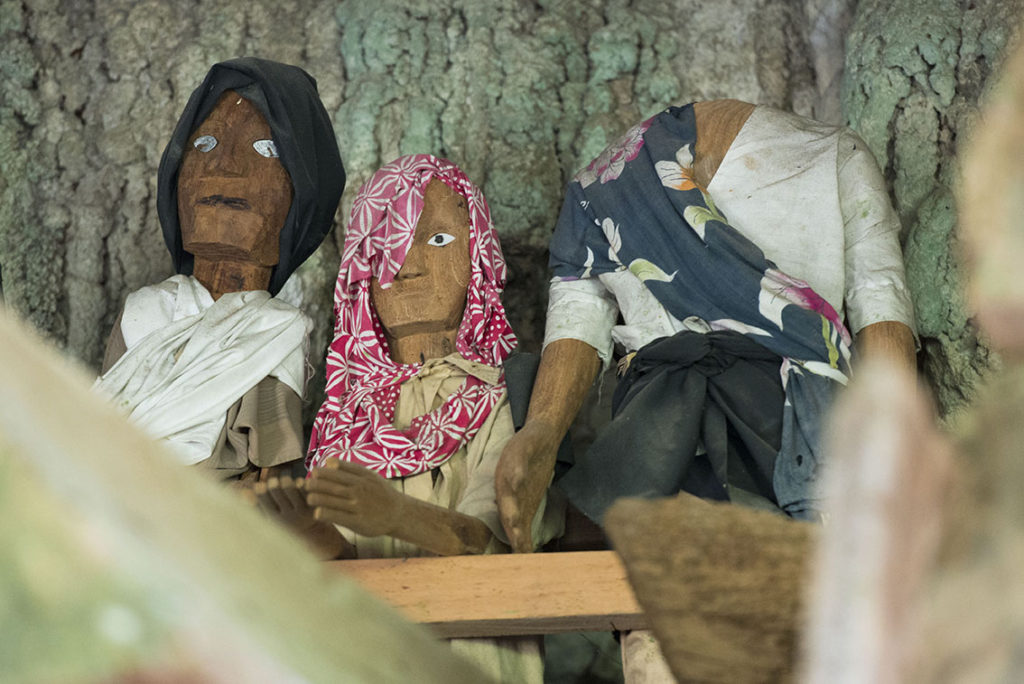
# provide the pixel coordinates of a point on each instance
(520, 94)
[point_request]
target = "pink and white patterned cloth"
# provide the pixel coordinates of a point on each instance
(355, 421)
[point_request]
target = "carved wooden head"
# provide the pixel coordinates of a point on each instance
(428, 295)
(233, 192)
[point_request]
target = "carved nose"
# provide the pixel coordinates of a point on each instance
(413, 266)
(225, 164)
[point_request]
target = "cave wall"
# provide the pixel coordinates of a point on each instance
(915, 70)
(518, 93)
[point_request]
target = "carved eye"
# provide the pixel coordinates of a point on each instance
(440, 239)
(205, 143)
(266, 148)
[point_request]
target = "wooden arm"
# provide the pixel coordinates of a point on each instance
(888, 340)
(355, 497)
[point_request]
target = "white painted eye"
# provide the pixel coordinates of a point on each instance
(267, 148)
(440, 239)
(205, 143)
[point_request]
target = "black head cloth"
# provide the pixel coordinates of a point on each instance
(287, 97)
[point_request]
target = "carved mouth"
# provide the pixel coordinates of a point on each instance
(239, 203)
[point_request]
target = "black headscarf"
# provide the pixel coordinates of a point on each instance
(287, 97)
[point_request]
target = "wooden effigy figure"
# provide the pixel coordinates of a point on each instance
(209, 359)
(404, 448)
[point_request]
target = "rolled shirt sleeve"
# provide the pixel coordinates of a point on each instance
(582, 310)
(876, 288)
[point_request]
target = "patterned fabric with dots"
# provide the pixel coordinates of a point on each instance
(363, 383)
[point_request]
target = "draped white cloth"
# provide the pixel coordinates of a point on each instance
(189, 358)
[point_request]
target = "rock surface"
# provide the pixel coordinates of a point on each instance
(518, 94)
(915, 70)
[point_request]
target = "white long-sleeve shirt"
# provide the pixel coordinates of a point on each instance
(810, 195)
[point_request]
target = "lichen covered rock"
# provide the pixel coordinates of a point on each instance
(915, 70)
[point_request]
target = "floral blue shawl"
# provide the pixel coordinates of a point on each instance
(637, 207)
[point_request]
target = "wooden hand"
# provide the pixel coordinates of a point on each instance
(522, 478)
(363, 501)
(355, 497)
(283, 499)
(567, 370)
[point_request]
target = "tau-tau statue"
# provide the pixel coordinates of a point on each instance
(209, 360)
(746, 249)
(404, 448)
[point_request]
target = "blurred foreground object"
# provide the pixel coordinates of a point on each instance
(119, 565)
(721, 584)
(888, 497)
(992, 209)
(919, 575)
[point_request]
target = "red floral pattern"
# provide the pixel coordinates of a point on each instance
(355, 421)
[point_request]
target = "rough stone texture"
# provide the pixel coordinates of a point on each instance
(914, 72)
(520, 94)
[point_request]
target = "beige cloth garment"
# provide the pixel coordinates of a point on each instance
(465, 483)
(263, 428)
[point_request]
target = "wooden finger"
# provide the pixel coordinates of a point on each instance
(324, 501)
(247, 495)
(263, 499)
(336, 516)
(291, 490)
(329, 488)
(277, 495)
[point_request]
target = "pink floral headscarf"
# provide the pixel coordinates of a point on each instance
(355, 421)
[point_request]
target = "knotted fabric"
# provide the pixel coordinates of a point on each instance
(363, 382)
(720, 390)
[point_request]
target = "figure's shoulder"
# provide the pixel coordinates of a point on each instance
(718, 124)
(151, 307)
(719, 121)
(768, 120)
(166, 290)
(726, 107)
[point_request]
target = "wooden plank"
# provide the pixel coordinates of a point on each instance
(512, 594)
(723, 584)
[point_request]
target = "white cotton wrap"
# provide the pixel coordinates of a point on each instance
(189, 358)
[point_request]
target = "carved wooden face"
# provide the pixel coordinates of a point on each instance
(233, 192)
(428, 294)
